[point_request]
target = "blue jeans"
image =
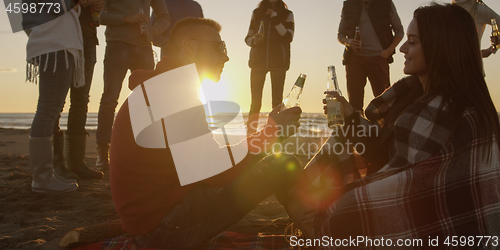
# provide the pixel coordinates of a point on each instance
(79, 97)
(119, 58)
(52, 88)
(207, 211)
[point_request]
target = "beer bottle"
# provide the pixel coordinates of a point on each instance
(95, 15)
(260, 33)
(495, 35)
(335, 112)
(143, 26)
(293, 98)
(357, 36)
(261, 28)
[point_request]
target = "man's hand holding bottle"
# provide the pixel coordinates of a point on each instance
(355, 44)
(286, 121)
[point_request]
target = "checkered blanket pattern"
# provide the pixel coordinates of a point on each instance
(434, 186)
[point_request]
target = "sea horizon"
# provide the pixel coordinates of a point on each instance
(312, 124)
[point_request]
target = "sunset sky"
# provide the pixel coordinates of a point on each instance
(314, 47)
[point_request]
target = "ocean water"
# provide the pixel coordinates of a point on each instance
(312, 124)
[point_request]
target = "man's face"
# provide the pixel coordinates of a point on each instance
(211, 55)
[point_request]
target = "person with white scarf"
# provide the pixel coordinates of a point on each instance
(55, 61)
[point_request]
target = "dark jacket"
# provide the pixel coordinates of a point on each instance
(379, 13)
(274, 51)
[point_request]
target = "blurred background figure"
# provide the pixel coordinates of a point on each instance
(79, 98)
(270, 33)
(129, 35)
(368, 54)
(177, 10)
(54, 56)
(482, 15)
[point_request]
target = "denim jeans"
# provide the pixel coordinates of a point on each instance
(79, 97)
(207, 211)
(119, 58)
(53, 87)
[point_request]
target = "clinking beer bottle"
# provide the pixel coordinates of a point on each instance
(95, 18)
(293, 98)
(495, 35)
(335, 113)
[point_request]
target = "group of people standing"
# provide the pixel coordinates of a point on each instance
(432, 162)
(61, 54)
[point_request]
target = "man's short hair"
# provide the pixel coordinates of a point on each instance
(186, 28)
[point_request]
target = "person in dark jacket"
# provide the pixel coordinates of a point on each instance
(177, 10)
(269, 36)
(369, 55)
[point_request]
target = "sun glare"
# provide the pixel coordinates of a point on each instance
(213, 91)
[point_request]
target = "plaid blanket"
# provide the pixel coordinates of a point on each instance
(436, 189)
(224, 241)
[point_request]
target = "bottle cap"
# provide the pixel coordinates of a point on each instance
(301, 80)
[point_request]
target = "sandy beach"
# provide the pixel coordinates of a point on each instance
(30, 220)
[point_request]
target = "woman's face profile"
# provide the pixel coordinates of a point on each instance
(413, 52)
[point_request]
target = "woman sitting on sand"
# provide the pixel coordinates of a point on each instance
(432, 159)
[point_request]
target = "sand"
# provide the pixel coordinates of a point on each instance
(30, 220)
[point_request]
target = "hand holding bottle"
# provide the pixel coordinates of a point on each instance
(258, 38)
(355, 44)
(348, 110)
(286, 120)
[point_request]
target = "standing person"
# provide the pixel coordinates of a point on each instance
(79, 99)
(128, 47)
(370, 56)
(270, 52)
(482, 15)
(177, 10)
(153, 203)
(431, 143)
(54, 54)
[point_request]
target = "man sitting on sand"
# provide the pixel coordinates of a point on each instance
(154, 203)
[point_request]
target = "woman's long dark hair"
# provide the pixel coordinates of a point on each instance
(264, 5)
(451, 48)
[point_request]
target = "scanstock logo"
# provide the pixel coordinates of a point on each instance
(27, 14)
(166, 112)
